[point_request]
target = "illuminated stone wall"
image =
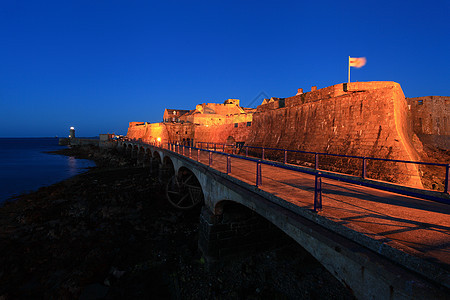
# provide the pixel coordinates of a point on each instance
(148, 132)
(182, 132)
(226, 133)
(364, 119)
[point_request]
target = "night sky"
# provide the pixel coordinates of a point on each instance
(97, 65)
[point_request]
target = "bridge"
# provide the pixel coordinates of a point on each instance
(382, 240)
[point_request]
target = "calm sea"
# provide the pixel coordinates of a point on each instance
(24, 167)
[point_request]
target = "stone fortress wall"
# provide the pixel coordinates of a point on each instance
(362, 118)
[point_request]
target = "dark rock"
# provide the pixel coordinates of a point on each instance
(94, 291)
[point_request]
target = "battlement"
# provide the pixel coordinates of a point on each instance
(232, 101)
(325, 93)
(133, 124)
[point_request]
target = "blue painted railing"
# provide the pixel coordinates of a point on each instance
(414, 192)
(363, 159)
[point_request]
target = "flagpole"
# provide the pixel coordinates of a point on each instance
(349, 69)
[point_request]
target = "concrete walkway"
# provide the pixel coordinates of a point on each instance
(415, 226)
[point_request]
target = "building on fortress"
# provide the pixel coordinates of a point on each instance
(370, 119)
(173, 115)
(430, 117)
(213, 122)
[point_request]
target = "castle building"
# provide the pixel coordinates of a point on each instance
(430, 117)
(213, 122)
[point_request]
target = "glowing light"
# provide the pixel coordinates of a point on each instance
(72, 128)
(158, 139)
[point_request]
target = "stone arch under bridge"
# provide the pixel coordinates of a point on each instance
(183, 189)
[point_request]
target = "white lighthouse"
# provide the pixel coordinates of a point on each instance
(72, 133)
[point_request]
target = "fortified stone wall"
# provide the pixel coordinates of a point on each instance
(147, 132)
(430, 120)
(363, 119)
(182, 132)
(226, 133)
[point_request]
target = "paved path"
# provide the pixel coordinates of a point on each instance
(418, 224)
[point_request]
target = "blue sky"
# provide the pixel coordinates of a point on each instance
(97, 65)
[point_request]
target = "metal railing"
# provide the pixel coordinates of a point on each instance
(364, 159)
(316, 172)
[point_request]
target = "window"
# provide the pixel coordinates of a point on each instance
(420, 102)
(235, 125)
(249, 124)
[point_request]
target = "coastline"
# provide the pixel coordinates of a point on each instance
(26, 164)
(109, 233)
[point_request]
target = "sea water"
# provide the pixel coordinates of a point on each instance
(24, 165)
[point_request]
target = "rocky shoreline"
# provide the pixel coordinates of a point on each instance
(111, 234)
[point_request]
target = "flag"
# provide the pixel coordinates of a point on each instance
(357, 62)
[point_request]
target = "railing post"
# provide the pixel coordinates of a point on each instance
(184, 147)
(316, 161)
(318, 192)
(258, 173)
(363, 175)
(190, 151)
(262, 156)
(215, 147)
(447, 168)
(210, 159)
(198, 154)
(207, 146)
(223, 148)
(228, 164)
(246, 151)
(285, 156)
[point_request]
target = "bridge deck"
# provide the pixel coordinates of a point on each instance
(419, 224)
